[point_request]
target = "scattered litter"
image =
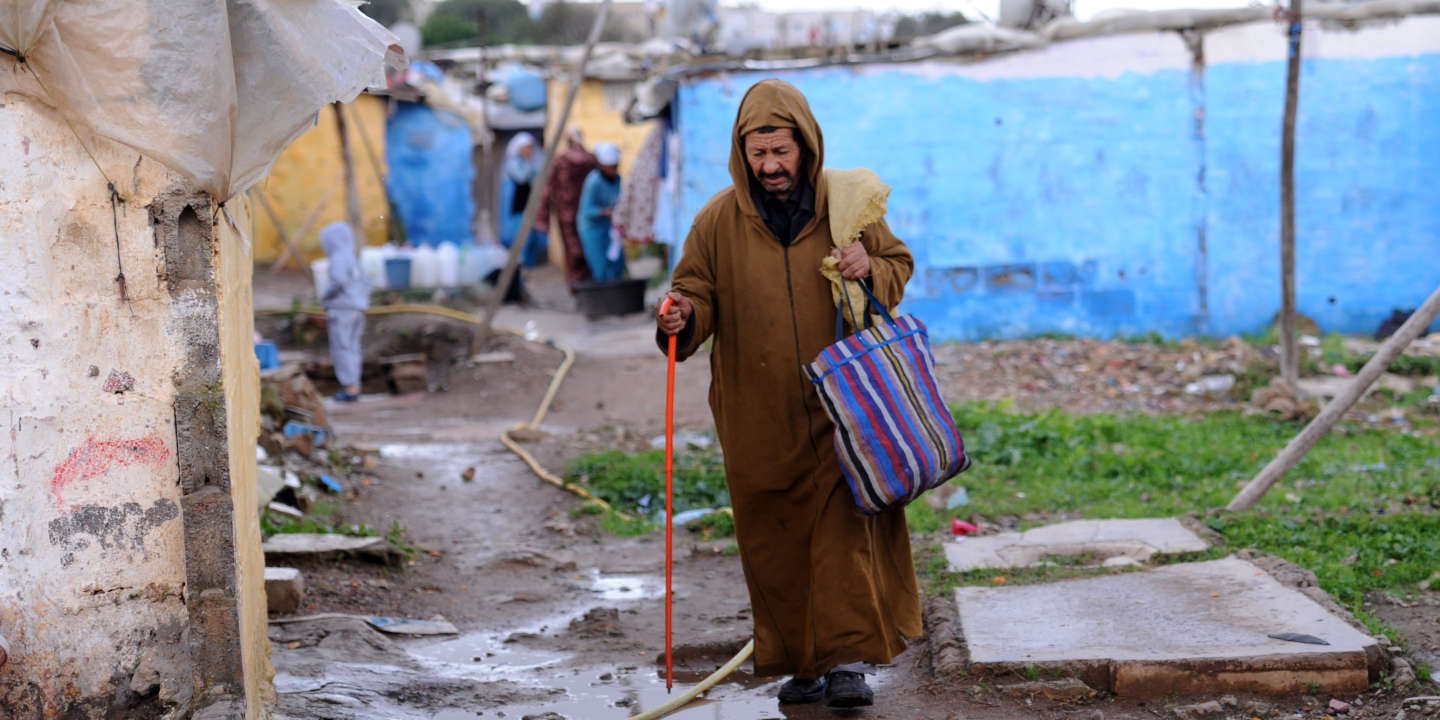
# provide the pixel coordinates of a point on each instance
(1339, 706)
(260, 454)
(320, 435)
(1309, 341)
(961, 497)
(268, 483)
(437, 625)
(1372, 467)
(1211, 385)
(1298, 638)
(292, 480)
(331, 484)
(685, 518)
(283, 509)
(960, 527)
(501, 356)
(268, 354)
(468, 475)
(684, 438)
(325, 543)
(1340, 370)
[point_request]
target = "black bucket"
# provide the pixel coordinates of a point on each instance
(618, 297)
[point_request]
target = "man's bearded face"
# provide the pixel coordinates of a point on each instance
(774, 159)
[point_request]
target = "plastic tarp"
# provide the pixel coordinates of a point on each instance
(429, 153)
(214, 89)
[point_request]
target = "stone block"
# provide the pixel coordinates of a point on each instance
(1134, 540)
(1180, 629)
(284, 590)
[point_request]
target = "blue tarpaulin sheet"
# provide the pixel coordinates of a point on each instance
(431, 172)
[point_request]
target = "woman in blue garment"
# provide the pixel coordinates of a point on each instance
(522, 164)
(603, 249)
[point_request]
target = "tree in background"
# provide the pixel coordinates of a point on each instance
(913, 26)
(568, 23)
(478, 22)
(387, 12)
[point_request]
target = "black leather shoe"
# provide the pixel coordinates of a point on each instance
(798, 691)
(847, 690)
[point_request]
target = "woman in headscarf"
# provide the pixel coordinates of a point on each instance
(603, 247)
(522, 163)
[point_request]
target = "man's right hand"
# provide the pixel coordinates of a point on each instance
(674, 319)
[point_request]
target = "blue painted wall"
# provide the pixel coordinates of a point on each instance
(1099, 205)
(431, 172)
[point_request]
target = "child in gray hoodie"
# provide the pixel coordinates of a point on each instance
(347, 297)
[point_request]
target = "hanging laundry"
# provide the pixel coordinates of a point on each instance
(635, 210)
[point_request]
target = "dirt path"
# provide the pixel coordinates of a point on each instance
(556, 615)
(559, 619)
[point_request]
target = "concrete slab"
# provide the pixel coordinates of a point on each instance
(1180, 629)
(1137, 539)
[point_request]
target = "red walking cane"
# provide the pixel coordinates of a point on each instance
(669, 496)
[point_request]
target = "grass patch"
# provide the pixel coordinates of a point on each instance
(714, 525)
(271, 524)
(922, 518)
(635, 484)
(613, 522)
(1360, 511)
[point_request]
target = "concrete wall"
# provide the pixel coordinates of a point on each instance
(1128, 184)
(310, 174)
(99, 597)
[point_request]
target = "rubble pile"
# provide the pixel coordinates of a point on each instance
(1087, 376)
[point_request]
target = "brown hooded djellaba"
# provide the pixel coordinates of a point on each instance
(828, 585)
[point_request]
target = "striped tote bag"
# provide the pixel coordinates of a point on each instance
(893, 433)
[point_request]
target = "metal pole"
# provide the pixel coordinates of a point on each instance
(352, 192)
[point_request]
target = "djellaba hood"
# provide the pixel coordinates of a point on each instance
(776, 103)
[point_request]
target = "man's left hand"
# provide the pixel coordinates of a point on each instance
(854, 261)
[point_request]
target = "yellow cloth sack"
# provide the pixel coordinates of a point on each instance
(857, 200)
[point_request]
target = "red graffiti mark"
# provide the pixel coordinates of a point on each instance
(95, 458)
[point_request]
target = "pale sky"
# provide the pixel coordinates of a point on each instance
(1084, 9)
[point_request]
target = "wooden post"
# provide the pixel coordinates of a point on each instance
(1289, 351)
(396, 231)
(1301, 444)
(352, 193)
(512, 262)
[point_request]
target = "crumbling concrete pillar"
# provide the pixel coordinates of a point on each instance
(216, 406)
(131, 576)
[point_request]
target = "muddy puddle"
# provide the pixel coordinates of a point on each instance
(483, 675)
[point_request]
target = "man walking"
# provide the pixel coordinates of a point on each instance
(562, 196)
(832, 590)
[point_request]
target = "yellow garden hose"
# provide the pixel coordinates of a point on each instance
(709, 682)
(560, 372)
